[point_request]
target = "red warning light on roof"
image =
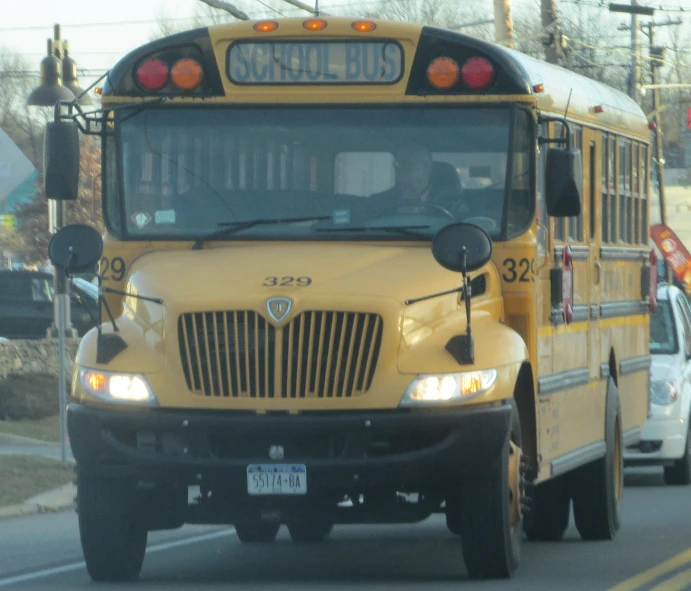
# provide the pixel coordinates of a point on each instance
(599, 109)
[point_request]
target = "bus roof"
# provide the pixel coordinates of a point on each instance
(517, 73)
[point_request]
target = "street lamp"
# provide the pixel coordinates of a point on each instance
(50, 91)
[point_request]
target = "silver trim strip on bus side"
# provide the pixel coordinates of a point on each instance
(604, 371)
(581, 313)
(578, 252)
(621, 254)
(635, 364)
(564, 380)
(578, 457)
(624, 308)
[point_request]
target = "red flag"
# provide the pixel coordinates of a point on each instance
(674, 251)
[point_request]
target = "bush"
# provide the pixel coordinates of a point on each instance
(29, 396)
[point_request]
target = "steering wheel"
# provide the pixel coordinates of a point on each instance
(487, 224)
(429, 206)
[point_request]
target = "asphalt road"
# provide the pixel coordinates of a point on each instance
(43, 552)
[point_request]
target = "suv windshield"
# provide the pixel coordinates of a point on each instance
(179, 173)
(663, 335)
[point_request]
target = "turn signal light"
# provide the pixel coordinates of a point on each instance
(443, 73)
(314, 24)
(187, 74)
(152, 74)
(364, 26)
(96, 381)
(266, 26)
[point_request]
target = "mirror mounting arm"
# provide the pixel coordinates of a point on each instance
(132, 295)
(546, 140)
(461, 347)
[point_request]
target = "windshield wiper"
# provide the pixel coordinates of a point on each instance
(409, 230)
(232, 227)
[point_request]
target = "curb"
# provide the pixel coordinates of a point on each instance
(29, 440)
(52, 501)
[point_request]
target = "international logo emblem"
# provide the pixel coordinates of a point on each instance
(278, 308)
(276, 452)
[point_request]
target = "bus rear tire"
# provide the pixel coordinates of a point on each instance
(549, 511)
(113, 538)
(490, 536)
(597, 487)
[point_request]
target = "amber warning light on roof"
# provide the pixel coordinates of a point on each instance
(315, 62)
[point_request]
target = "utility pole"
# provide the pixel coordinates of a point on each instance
(503, 25)
(656, 58)
(550, 27)
(659, 154)
(635, 79)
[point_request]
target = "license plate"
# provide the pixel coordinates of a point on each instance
(276, 479)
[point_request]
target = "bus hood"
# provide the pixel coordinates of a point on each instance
(339, 276)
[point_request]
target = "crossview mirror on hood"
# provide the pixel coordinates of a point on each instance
(455, 240)
(76, 248)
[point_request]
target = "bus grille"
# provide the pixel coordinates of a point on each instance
(316, 355)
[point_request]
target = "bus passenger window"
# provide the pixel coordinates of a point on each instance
(363, 173)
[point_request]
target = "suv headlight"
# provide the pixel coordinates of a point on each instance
(662, 392)
(117, 387)
(450, 387)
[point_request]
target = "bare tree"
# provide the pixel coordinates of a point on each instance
(23, 124)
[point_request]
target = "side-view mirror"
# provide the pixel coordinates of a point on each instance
(61, 160)
(564, 182)
(448, 245)
(76, 248)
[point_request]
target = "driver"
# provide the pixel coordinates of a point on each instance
(416, 189)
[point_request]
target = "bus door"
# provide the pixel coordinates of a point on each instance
(592, 161)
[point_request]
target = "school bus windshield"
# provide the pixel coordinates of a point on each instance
(185, 171)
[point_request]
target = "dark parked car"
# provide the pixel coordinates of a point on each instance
(26, 304)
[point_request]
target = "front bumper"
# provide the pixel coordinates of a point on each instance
(405, 449)
(663, 440)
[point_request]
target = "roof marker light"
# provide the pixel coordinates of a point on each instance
(539, 88)
(443, 73)
(364, 26)
(314, 24)
(477, 73)
(599, 109)
(265, 26)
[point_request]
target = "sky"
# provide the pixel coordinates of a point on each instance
(102, 31)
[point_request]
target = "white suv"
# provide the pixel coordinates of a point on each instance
(665, 439)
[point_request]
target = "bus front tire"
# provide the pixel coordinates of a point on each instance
(597, 486)
(549, 511)
(491, 543)
(113, 538)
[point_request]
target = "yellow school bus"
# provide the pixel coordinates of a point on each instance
(357, 271)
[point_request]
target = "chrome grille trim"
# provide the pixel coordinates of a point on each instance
(318, 354)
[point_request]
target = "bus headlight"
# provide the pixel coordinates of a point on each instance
(662, 392)
(117, 387)
(450, 387)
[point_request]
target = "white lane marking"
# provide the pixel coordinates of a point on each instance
(48, 572)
